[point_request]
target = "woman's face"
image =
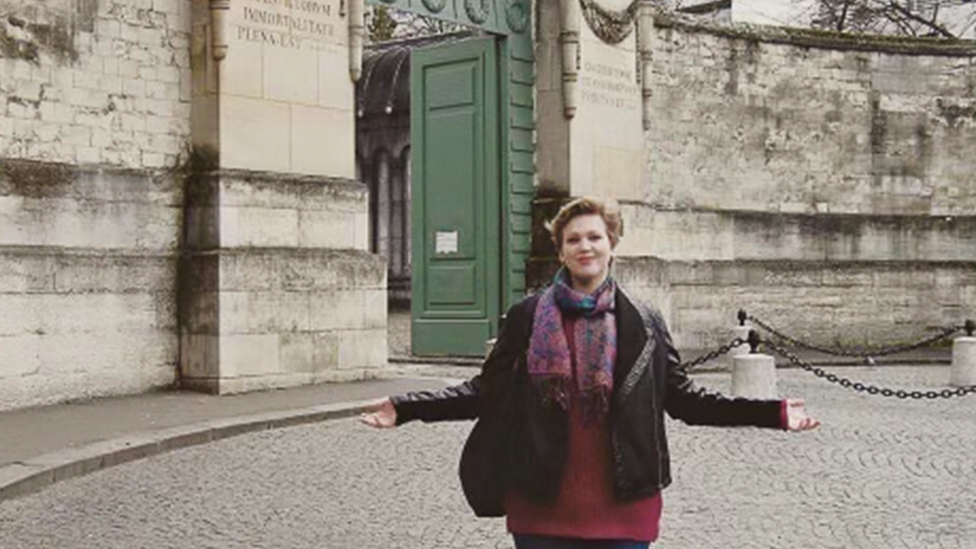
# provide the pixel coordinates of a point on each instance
(586, 251)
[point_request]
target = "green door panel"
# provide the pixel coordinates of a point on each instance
(452, 85)
(456, 197)
(455, 284)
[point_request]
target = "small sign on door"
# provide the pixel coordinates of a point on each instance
(445, 242)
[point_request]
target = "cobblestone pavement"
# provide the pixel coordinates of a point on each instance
(880, 473)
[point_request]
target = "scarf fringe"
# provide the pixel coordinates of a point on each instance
(595, 405)
(550, 364)
(551, 390)
(554, 391)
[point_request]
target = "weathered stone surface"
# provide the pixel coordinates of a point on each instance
(286, 102)
(115, 378)
(85, 322)
(745, 122)
(827, 302)
(824, 185)
(95, 82)
(252, 321)
(728, 235)
(233, 208)
(44, 204)
(278, 289)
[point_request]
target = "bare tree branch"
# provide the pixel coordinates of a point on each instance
(890, 16)
(908, 14)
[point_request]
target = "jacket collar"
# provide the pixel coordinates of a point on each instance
(635, 342)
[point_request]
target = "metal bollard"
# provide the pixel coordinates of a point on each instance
(741, 332)
(963, 372)
(754, 374)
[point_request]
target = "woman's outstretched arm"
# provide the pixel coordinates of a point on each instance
(465, 400)
(696, 406)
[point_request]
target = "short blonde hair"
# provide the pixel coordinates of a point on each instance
(608, 210)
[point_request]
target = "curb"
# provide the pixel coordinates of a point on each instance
(35, 474)
(436, 360)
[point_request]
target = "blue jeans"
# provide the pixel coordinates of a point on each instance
(547, 542)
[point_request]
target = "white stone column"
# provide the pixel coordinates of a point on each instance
(754, 376)
(963, 372)
(590, 108)
(277, 286)
(284, 99)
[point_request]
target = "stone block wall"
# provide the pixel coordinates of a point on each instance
(831, 303)
(754, 235)
(259, 318)
(88, 260)
(95, 82)
(823, 182)
(743, 122)
(278, 288)
(94, 120)
(128, 261)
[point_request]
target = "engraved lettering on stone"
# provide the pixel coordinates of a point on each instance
(275, 38)
(294, 24)
(609, 86)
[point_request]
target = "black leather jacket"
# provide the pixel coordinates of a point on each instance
(647, 382)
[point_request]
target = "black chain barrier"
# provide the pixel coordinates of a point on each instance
(884, 351)
(713, 354)
(869, 389)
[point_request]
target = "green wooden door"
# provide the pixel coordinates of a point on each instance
(456, 294)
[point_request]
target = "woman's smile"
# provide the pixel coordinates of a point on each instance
(586, 252)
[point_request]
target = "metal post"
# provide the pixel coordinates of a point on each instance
(740, 332)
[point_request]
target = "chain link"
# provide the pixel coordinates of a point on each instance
(869, 389)
(943, 334)
(712, 355)
(834, 378)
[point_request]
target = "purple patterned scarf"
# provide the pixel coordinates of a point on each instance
(595, 339)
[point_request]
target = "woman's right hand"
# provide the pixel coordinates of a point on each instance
(380, 414)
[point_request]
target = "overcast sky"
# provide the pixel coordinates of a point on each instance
(774, 12)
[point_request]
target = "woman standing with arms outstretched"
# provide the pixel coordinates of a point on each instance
(576, 388)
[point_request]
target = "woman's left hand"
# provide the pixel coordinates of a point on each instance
(797, 418)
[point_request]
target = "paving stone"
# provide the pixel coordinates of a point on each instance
(880, 473)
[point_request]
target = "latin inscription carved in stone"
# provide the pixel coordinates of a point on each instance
(295, 24)
(609, 86)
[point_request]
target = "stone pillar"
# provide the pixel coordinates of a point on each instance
(963, 371)
(278, 96)
(277, 287)
(589, 115)
(754, 376)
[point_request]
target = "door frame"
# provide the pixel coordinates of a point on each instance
(466, 325)
(511, 22)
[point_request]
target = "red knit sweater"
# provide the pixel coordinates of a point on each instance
(586, 507)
